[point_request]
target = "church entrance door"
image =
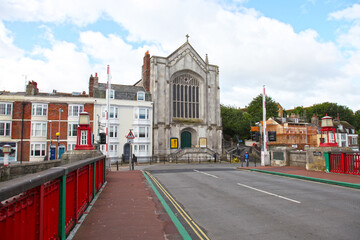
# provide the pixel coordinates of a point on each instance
(185, 139)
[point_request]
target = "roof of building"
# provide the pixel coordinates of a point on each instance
(123, 92)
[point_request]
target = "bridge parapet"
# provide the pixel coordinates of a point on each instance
(47, 204)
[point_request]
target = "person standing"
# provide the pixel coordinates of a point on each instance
(247, 159)
(215, 157)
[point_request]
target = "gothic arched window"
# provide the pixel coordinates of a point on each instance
(185, 100)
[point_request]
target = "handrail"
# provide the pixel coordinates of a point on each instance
(19, 185)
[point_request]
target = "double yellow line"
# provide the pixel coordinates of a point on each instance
(197, 230)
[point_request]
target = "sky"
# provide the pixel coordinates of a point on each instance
(304, 51)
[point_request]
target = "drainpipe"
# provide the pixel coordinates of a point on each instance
(22, 131)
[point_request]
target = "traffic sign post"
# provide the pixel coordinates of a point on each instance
(130, 138)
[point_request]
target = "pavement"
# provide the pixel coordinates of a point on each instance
(128, 208)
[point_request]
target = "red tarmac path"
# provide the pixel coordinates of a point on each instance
(127, 209)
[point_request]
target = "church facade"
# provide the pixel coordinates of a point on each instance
(186, 96)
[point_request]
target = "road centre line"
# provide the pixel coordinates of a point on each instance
(206, 174)
(182, 212)
(272, 194)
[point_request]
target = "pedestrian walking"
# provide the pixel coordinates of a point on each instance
(134, 161)
(247, 159)
(215, 157)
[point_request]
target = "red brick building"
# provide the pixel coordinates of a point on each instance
(29, 122)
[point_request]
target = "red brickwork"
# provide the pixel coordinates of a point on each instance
(25, 151)
(146, 72)
(16, 129)
(18, 110)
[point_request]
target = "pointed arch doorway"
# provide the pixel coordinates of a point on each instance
(185, 139)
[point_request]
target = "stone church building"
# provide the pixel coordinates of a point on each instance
(186, 95)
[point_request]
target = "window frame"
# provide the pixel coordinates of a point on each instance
(43, 129)
(42, 149)
(71, 129)
(140, 96)
(35, 108)
(6, 128)
(113, 131)
(71, 110)
(6, 107)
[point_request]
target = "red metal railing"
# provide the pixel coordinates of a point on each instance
(30, 207)
(345, 162)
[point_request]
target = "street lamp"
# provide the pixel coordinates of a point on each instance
(60, 111)
(6, 151)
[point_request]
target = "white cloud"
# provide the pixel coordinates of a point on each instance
(350, 13)
(250, 49)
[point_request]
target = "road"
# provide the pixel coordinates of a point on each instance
(238, 204)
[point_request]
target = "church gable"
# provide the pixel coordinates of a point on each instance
(183, 52)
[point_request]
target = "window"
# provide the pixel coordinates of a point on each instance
(37, 149)
(185, 99)
(113, 131)
(75, 110)
(72, 129)
(5, 128)
(39, 109)
(5, 108)
(112, 94)
(142, 132)
(141, 96)
(38, 129)
(83, 140)
(71, 146)
(141, 113)
(113, 112)
(113, 148)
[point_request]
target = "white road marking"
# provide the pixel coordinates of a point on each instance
(206, 174)
(272, 194)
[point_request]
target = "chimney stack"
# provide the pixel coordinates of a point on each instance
(31, 88)
(146, 72)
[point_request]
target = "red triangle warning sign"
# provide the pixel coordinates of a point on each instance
(130, 135)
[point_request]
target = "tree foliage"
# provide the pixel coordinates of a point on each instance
(235, 122)
(333, 110)
(255, 108)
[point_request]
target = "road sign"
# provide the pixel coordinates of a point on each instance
(130, 135)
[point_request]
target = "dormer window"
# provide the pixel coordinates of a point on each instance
(141, 96)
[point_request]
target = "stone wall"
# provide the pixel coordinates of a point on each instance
(16, 170)
(311, 159)
(297, 159)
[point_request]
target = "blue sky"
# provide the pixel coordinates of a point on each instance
(304, 51)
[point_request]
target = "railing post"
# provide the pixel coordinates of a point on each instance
(41, 213)
(93, 183)
(327, 161)
(62, 207)
(105, 170)
(343, 162)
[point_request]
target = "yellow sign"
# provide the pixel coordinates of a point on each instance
(173, 143)
(202, 142)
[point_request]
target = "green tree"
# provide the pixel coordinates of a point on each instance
(255, 108)
(235, 123)
(333, 110)
(357, 120)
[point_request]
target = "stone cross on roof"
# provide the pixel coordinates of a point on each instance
(187, 37)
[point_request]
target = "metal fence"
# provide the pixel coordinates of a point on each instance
(48, 204)
(344, 162)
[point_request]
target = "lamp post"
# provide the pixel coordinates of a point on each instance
(83, 138)
(6, 151)
(60, 111)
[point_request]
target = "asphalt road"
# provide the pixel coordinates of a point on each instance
(231, 204)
